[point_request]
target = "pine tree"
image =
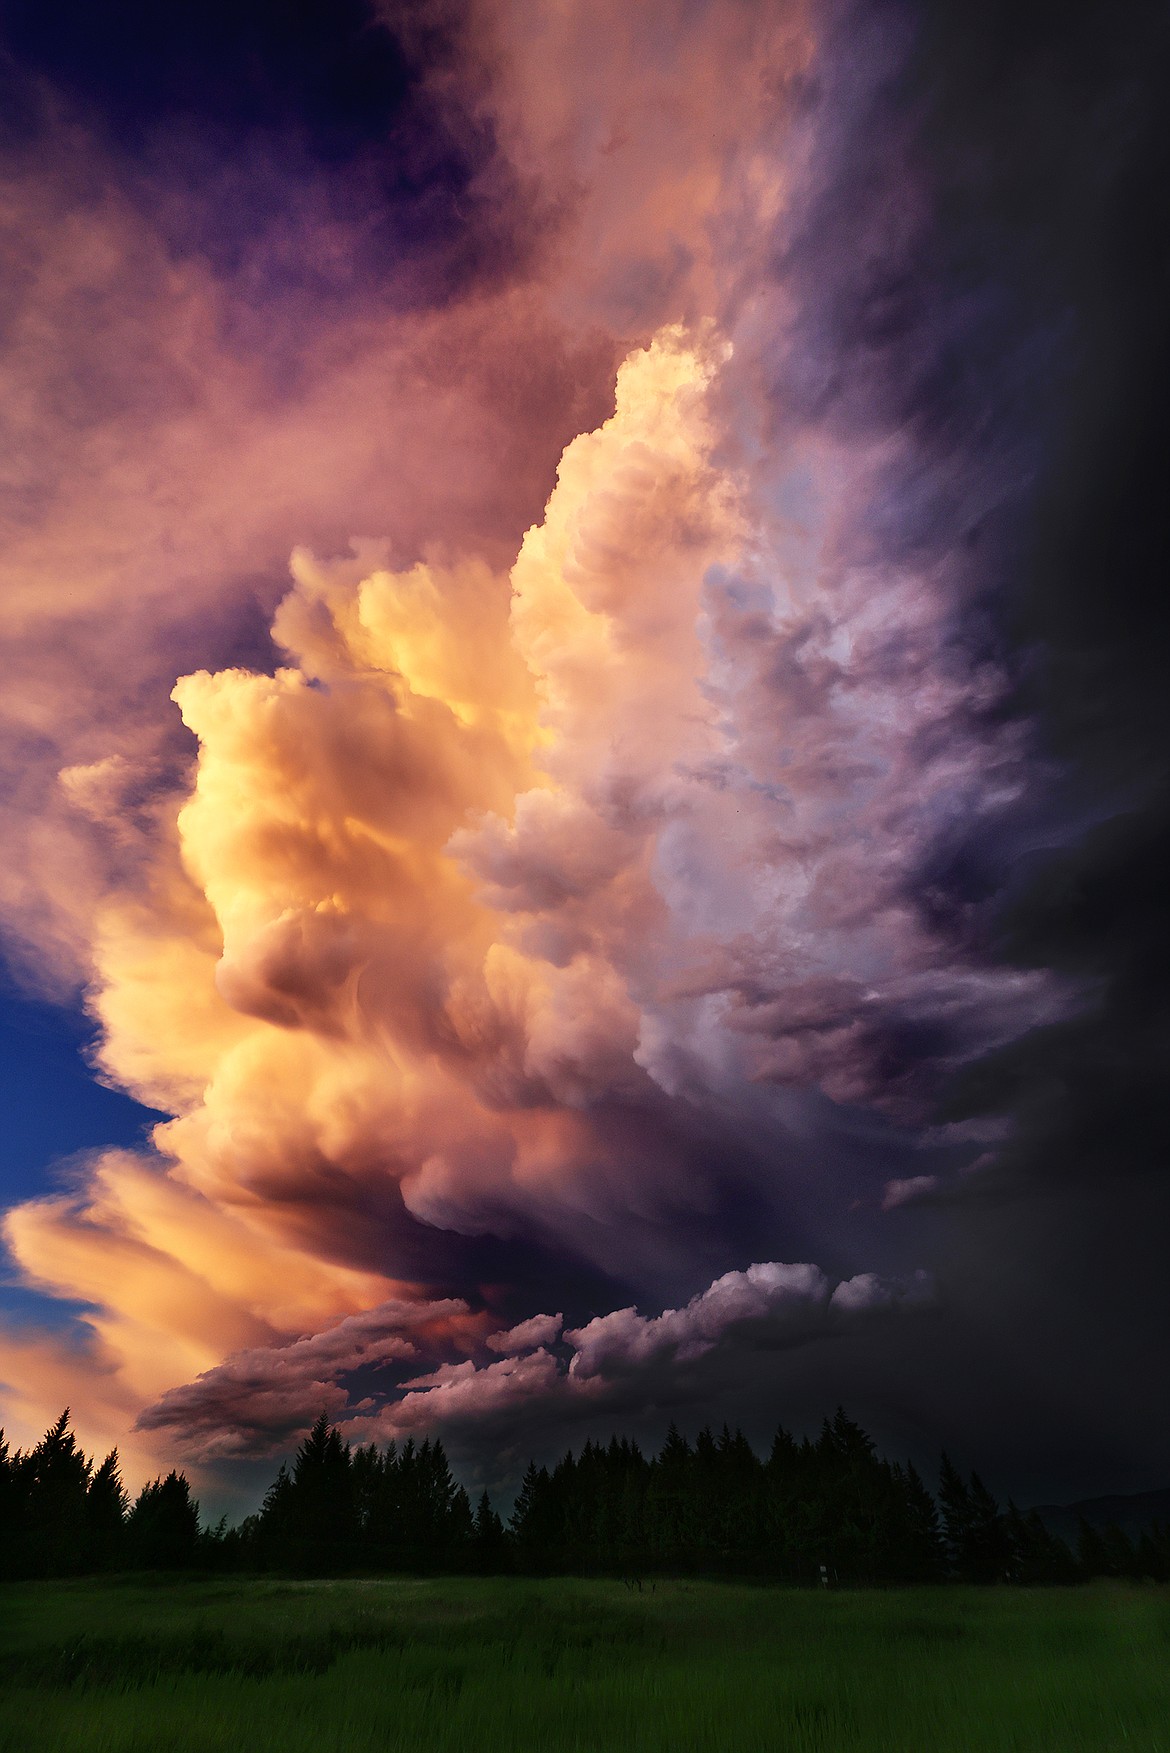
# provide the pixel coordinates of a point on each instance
(461, 1527)
(163, 1526)
(1037, 1556)
(487, 1537)
(918, 1555)
(1091, 1554)
(667, 1510)
(12, 1497)
(106, 1506)
(56, 1480)
(528, 1523)
(273, 1531)
(784, 1457)
(527, 1498)
(989, 1545)
(957, 1520)
(319, 1507)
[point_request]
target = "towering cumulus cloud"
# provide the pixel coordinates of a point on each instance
(550, 909)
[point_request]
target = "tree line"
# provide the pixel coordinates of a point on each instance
(826, 1510)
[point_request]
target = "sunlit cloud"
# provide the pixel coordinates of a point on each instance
(555, 830)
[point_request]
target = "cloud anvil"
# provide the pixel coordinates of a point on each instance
(525, 726)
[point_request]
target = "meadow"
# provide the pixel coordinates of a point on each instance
(521, 1665)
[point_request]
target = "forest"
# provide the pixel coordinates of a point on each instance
(828, 1511)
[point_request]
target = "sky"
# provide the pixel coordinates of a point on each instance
(583, 739)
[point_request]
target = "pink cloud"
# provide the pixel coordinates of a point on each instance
(464, 1394)
(786, 1298)
(537, 1330)
(258, 1400)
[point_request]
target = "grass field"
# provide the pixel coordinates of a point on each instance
(467, 1666)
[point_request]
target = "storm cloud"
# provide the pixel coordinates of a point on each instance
(548, 630)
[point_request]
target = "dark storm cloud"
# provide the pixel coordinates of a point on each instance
(1090, 1097)
(1023, 331)
(306, 149)
(983, 270)
(979, 292)
(1054, 136)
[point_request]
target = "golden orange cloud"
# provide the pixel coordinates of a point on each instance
(534, 858)
(323, 999)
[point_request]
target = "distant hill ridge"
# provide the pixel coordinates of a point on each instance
(1132, 1513)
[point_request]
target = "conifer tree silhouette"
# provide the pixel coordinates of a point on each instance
(319, 1514)
(957, 1517)
(163, 1525)
(831, 1508)
(56, 1478)
(487, 1536)
(106, 1506)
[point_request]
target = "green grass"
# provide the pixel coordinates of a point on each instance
(569, 1666)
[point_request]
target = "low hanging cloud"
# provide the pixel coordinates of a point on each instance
(254, 1400)
(769, 1303)
(258, 1401)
